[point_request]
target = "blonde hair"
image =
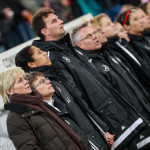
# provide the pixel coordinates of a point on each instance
(94, 23)
(99, 17)
(7, 80)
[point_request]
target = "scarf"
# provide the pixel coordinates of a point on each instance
(35, 101)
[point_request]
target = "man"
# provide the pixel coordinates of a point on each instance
(65, 107)
(125, 86)
(82, 79)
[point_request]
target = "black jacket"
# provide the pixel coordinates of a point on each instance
(83, 81)
(139, 67)
(70, 112)
(120, 81)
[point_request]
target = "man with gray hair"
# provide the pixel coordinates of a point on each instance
(85, 39)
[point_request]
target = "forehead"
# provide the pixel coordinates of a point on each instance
(50, 17)
(137, 13)
(105, 20)
(86, 30)
(34, 49)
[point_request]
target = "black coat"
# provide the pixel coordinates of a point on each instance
(83, 81)
(120, 81)
(71, 111)
(140, 72)
(75, 113)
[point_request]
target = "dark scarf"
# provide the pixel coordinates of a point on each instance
(35, 101)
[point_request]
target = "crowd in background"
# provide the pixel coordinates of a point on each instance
(16, 15)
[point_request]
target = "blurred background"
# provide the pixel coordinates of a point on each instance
(16, 15)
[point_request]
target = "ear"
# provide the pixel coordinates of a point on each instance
(31, 65)
(45, 32)
(127, 27)
(10, 92)
(79, 44)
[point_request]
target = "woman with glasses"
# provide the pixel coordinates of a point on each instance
(30, 124)
(30, 59)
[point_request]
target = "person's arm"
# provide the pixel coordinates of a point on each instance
(20, 133)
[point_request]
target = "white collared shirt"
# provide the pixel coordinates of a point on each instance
(51, 103)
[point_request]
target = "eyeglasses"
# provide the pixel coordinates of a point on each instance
(42, 81)
(90, 35)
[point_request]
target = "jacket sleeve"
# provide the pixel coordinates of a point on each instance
(20, 133)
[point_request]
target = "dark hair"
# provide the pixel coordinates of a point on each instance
(37, 21)
(143, 7)
(32, 76)
(23, 57)
(125, 16)
(120, 18)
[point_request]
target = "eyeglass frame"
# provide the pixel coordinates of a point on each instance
(90, 35)
(41, 82)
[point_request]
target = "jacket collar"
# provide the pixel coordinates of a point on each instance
(53, 45)
(18, 108)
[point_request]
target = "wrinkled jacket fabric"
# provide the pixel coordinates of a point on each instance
(124, 86)
(33, 129)
(80, 77)
(71, 111)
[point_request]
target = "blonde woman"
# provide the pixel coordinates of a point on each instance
(30, 124)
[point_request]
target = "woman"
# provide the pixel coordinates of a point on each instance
(30, 124)
(37, 60)
(133, 21)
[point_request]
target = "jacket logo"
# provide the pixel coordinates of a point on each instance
(106, 68)
(66, 58)
(123, 127)
(68, 100)
(58, 89)
(141, 137)
(79, 52)
(147, 47)
(90, 60)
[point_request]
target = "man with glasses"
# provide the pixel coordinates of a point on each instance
(82, 79)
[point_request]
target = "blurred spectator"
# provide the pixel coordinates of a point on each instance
(88, 6)
(13, 23)
(62, 8)
(32, 5)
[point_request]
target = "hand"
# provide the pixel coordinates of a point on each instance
(109, 138)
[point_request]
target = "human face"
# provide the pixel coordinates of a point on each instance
(145, 20)
(89, 39)
(135, 22)
(122, 33)
(44, 87)
(108, 27)
(53, 27)
(20, 86)
(102, 36)
(148, 9)
(40, 57)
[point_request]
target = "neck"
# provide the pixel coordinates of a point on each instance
(49, 38)
(48, 97)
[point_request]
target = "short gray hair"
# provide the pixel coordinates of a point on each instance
(75, 36)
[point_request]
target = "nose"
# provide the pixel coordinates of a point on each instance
(45, 53)
(25, 81)
(48, 81)
(60, 21)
